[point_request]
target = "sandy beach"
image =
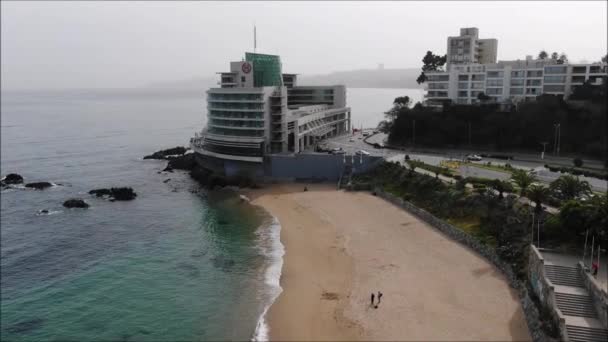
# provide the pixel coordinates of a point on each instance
(342, 246)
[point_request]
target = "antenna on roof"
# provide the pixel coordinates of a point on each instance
(255, 41)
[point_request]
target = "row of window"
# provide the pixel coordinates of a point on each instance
(233, 97)
(236, 115)
(236, 105)
(236, 123)
(236, 132)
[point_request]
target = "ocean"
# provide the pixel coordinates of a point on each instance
(177, 263)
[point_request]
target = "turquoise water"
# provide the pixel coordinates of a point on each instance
(175, 264)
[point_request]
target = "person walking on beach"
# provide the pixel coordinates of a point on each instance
(379, 297)
(372, 304)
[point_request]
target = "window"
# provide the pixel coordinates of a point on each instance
(495, 74)
(535, 73)
(478, 77)
(555, 69)
(517, 91)
(242, 78)
(533, 82)
(517, 82)
(463, 85)
(555, 79)
(463, 77)
(494, 83)
(477, 85)
(579, 69)
(518, 73)
(435, 78)
(463, 93)
(595, 69)
(494, 91)
(578, 79)
(554, 88)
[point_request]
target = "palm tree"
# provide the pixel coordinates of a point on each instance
(501, 186)
(538, 194)
(523, 179)
(570, 187)
(412, 166)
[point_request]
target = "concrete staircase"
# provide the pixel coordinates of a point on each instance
(564, 275)
(576, 305)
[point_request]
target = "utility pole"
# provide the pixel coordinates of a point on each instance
(542, 155)
(413, 132)
(559, 136)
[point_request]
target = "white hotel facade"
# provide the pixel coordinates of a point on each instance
(258, 111)
(507, 82)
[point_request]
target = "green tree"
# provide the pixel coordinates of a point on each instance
(569, 187)
(562, 58)
(523, 179)
(605, 59)
(431, 62)
(538, 194)
(501, 186)
(555, 56)
(543, 54)
(483, 97)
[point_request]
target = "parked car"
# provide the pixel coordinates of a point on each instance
(351, 139)
(365, 134)
(362, 152)
(338, 150)
(474, 157)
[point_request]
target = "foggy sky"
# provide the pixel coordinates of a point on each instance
(129, 44)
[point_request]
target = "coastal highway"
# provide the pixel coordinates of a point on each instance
(352, 143)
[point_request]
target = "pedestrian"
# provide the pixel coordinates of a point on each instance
(594, 268)
(379, 297)
(373, 299)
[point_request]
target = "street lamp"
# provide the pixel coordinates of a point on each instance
(542, 155)
(557, 138)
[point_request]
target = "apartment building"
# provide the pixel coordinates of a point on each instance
(258, 110)
(468, 48)
(509, 82)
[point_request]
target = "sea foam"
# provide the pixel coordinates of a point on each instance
(274, 250)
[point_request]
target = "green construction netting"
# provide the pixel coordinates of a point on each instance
(266, 69)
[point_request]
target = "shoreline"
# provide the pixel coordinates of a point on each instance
(341, 246)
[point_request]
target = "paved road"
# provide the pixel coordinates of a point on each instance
(353, 143)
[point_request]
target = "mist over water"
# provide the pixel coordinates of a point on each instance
(177, 263)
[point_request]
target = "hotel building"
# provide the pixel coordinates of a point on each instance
(258, 111)
(505, 82)
(468, 48)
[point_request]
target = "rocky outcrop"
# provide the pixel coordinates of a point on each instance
(75, 203)
(164, 154)
(12, 178)
(39, 185)
(115, 194)
(184, 162)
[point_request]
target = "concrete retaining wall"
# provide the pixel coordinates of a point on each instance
(597, 293)
(318, 166)
(529, 308)
(544, 290)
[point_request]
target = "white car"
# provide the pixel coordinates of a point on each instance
(338, 150)
(474, 157)
(351, 140)
(362, 153)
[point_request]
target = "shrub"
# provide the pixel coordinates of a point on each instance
(578, 162)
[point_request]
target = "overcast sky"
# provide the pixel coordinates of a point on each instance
(126, 44)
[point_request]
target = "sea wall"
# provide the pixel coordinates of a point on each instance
(529, 307)
(315, 166)
(597, 293)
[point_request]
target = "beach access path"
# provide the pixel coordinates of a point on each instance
(342, 246)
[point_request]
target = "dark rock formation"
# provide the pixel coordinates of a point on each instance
(184, 162)
(75, 203)
(43, 211)
(12, 178)
(163, 154)
(39, 185)
(115, 194)
(166, 180)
